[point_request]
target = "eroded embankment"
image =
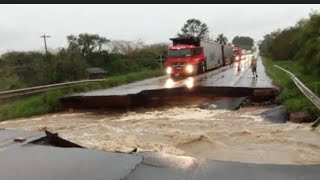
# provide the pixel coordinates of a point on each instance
(162, 97)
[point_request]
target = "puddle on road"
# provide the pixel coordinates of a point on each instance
(219, 134)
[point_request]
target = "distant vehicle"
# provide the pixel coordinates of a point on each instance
(191, 56)
(238, 53)
(243, 54)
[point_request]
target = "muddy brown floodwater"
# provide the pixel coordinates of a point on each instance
(240, 135)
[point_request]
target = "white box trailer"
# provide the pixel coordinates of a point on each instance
(228, 54)
(212, 53)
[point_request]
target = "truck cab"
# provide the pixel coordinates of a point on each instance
(185, 57)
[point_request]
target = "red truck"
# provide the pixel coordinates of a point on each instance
(190, 56)
(238, 54)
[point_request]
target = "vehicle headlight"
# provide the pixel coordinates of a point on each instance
(237, 57)
(189, 68)
(169, 70)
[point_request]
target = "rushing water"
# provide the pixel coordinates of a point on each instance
(240, 135)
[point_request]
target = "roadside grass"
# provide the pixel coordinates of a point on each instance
(290, 96)
(42, 103)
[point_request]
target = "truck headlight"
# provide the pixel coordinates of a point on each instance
(237, 58)
(189, 68)
(169, 70)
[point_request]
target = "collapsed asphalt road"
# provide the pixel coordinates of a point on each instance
(25, 159)
(228, 81)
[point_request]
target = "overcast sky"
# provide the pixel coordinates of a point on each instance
(22, 25)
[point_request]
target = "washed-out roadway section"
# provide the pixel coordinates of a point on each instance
(32, 161)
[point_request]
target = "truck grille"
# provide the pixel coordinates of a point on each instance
(178, 65)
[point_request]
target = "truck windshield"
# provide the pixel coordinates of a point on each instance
(235, 51)
(179, 53)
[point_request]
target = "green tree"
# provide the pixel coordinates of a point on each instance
(222, 39)
(70, 66)
(299, 42)
(194, 28)
(86, 43)
(266, 45)
(244, 42)
(287, 40)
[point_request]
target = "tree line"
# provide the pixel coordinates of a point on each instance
(300, 43)
(26, 69)
(196, 28)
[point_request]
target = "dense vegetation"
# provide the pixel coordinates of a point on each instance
(299, 43)
(26, 69)
(125, 61)
(290, 96)
(41, 103)
(297, 49)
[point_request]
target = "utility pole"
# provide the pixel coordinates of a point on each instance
(45, 46)
(45, 41)
(160, 59)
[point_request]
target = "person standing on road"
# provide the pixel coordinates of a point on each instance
(254, 67)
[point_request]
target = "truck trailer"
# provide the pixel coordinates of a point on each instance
(190, 56)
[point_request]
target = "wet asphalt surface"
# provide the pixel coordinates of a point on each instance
(236, 75)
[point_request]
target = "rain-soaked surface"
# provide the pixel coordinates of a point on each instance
(241, 135)
(237, 75)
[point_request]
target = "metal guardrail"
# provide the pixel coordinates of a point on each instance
(306, 91)
(37, 89)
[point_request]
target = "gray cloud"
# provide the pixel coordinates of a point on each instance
(22, 25)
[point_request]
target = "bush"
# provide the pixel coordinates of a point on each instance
(36, 104)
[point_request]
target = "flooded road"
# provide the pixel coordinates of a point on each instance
(184, 127)
(241, 135)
